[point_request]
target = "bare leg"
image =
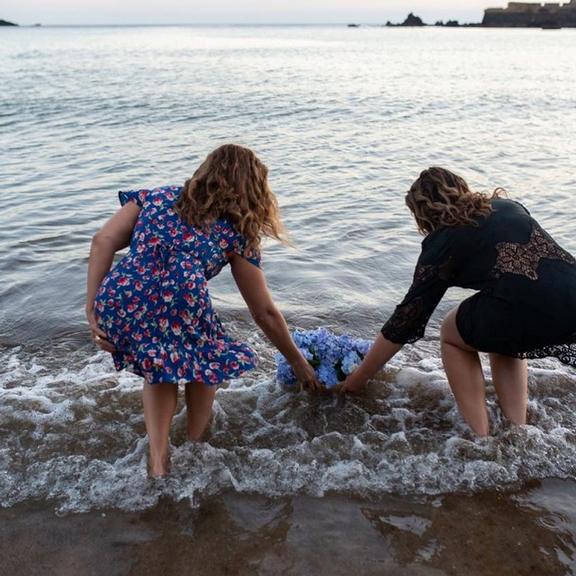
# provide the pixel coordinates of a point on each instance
(464, 371)
(510, 377)
(159, 406)
(199, 400)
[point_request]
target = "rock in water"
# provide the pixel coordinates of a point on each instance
(412, 20)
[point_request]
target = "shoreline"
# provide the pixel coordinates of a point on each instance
(483, 534)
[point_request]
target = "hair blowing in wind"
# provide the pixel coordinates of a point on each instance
(232, 183)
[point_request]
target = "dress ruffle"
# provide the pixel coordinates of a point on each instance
(566, 353)
(212, 363)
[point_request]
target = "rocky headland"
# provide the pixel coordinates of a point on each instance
(515, 15)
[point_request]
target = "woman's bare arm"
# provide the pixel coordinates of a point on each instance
(252, 285)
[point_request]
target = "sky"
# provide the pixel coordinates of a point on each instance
(238, 11)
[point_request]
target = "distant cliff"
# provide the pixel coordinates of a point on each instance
(6, 23)
(532, 15)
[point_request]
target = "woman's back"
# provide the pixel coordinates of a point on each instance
(526, 282)
(161, 236)
(506, 242)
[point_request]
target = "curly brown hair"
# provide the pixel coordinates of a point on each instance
(441, 198)
(232, 183)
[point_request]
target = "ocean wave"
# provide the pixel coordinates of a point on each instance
(76, 436)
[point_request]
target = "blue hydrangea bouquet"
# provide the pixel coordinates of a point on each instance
(332, 357)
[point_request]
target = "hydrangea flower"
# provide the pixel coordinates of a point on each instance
(284, 371)
(350, 362)
(333, 357)
(306, 353)
(327, 375)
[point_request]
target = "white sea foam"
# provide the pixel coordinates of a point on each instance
(75, 435)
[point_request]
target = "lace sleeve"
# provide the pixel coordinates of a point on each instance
(409, 320)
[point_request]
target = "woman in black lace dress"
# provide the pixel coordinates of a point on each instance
(525, 306)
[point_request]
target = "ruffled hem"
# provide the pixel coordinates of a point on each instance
(566, 353)
(177, 365)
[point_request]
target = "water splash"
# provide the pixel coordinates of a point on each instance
(76, 436)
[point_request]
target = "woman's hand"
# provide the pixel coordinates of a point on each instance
(306, 376)
(382, 350)
(98, 335)
(354, 384)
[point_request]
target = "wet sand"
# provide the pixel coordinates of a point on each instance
(530, 532)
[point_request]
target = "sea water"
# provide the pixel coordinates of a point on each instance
(345, 119)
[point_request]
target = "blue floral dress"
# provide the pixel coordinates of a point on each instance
(154, 304)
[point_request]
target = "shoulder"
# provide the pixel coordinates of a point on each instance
(441, 238)
(163, 195)
(150, 196)
(450, 242)
(507, 205)
(226, 232)
(233, 242)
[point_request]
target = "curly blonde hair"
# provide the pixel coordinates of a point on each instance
(232, 183)
(441, 198)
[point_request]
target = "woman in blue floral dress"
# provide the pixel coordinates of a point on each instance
(153, 311)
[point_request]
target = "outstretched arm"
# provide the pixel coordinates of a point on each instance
(407, 324)
(113, 236)
(252, 285)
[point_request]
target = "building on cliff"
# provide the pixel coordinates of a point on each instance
(530, 14)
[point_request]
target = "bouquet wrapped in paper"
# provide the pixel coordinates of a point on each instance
(332, 357)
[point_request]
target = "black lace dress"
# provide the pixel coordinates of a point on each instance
(526, 304)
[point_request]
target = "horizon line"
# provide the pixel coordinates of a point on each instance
(158, 24)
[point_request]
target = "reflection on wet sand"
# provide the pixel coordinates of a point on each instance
(485, 533)
(531, 532)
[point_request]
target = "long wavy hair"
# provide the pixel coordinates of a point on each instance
(232, 183)
(441, 198)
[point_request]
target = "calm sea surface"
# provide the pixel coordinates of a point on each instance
(345, 120)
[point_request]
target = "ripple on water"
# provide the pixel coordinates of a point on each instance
(345, 123)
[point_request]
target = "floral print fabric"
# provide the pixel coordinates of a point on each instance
(154, 305)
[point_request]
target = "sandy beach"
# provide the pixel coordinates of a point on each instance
(530, 532)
